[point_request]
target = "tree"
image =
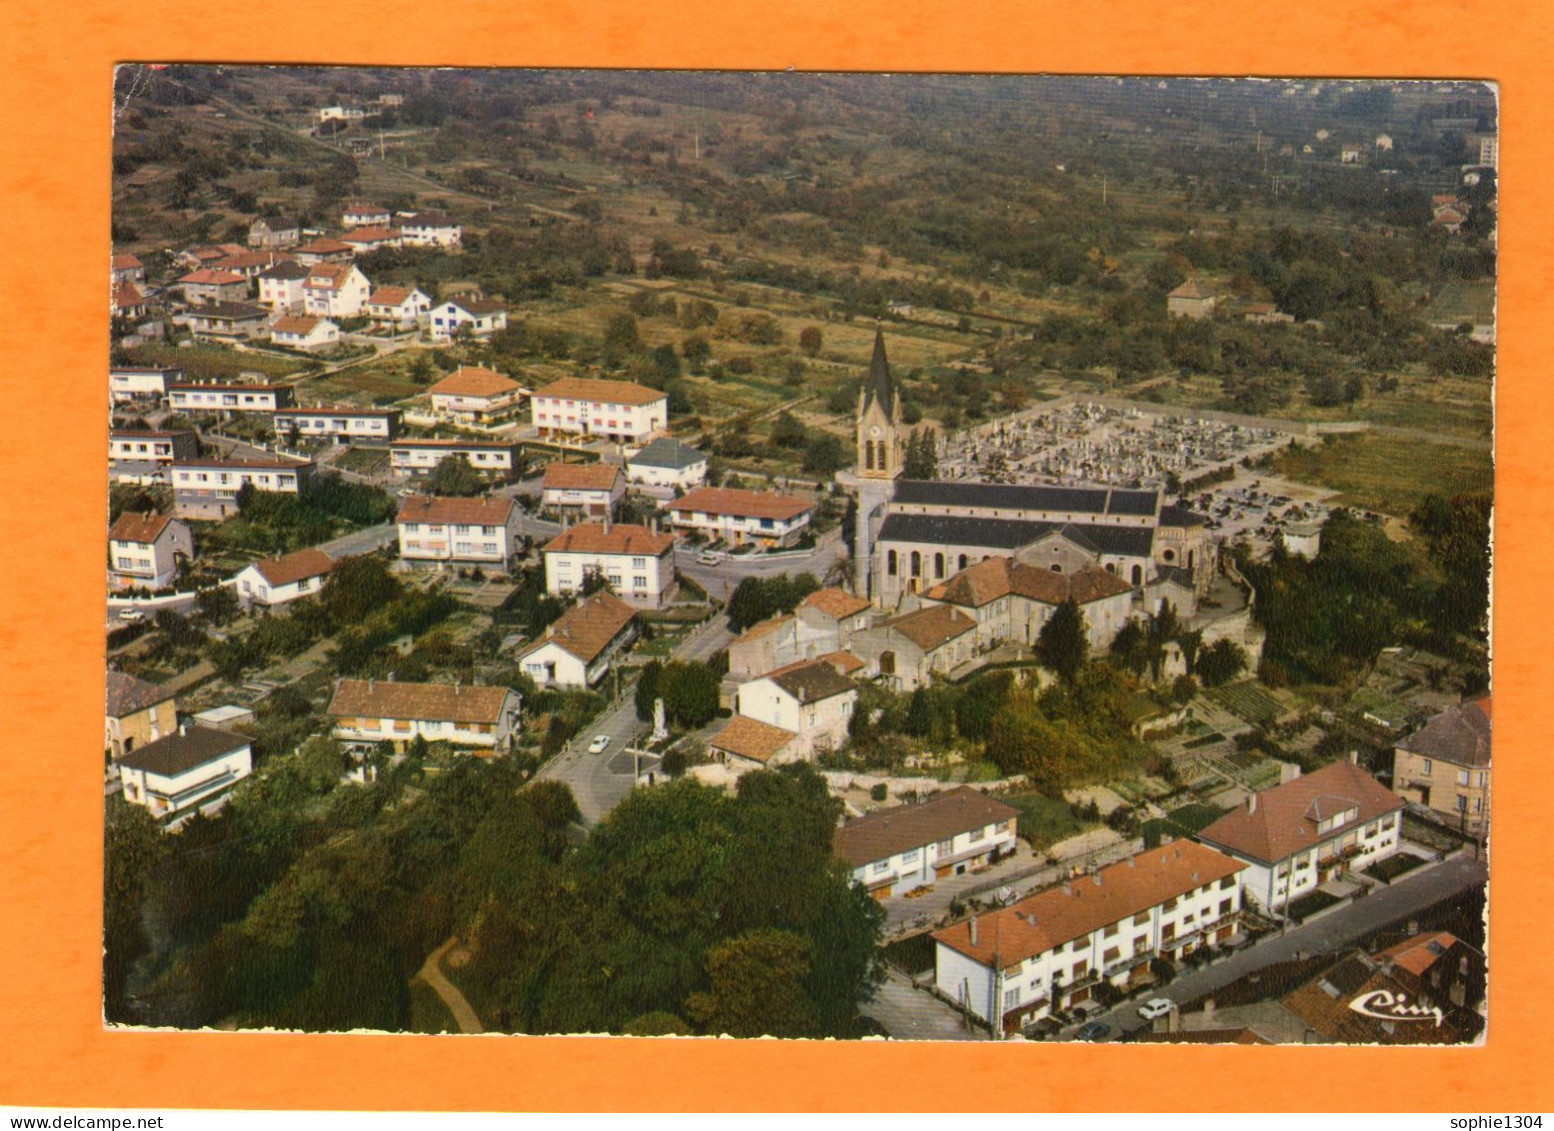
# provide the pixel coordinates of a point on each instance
(1220, 662)
(823, 455)
(132, 846)
(756, 987)
(356, 587)
(453, 475)
(690, 692)
(810, 340)
(621, 337)
(1061, 647)
(647, 691)
(218, 604)
(788, 431)
(922, 456)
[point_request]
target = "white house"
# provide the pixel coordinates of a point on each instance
(304, 332)
(324, 250)
(472, 395)
(1303, 539)
(359, 215)
(226, 322)
(145, 456)
(185, 769)
(619, 411)
(126, 268)
(340, 422)
(335, 290)
(398, 308)
(493, 457)
(208, 286)
(363, 240)
(277, 581)
(143, 549)
(810, 698)
(637, 562)
(475, 531)
(1049, 951)
(192, 397)
(341, 114)
(480, 317)
(136, 382)
(377, 710)
(667, 463)
(577, 649)
(1303, 833)
(763, 517)
(430, 229)
(280, 287)
(208, 488)
(895, 850)
(593, 490)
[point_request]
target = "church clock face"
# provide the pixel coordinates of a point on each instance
(874, 431)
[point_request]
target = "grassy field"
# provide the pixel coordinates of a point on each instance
(1195, 818)
(376, 382)
(206, 363)
(1457, 303)
(1388, 473)
(1044, 820)
(1247, 701)
(363, 461)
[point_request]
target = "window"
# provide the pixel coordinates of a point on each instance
(1227, 883)
(1112, 954)
(882, 866)
(1141, 918)
(946, 847)
(1112, 930)
(1462, 803)
(1140, 943)
(1462, 777)
(1224, 907)
(1081, 969)
(1011, 998)
(1169, 905)
(1429, 766)
(910, 857)
(639, 581)
(890, 563)
(977, 834)
(639, 563)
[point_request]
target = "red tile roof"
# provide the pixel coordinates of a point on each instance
(1060, 914)
(295, 324)
(748, 504)
(209, 276)
(324, 246)
(293, 567)
(126, 294)
(389, 296)
(838, 604)
(447, 702)
(931, 627)
(125, 262)
(1419, 953)
(620, 538)
(146, 528)
(328, 276)
(461, 512)
(1285, 818)
(580, 477)
(587, 629)
(986, 581)
(600, 391)
(473, 381)
(752, 739)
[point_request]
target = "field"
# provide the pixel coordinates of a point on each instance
(1044, 820)
(372, 383)
(1457, 303)
(208, 363)
(363, 461)
(1247, 701)
(1388, 473)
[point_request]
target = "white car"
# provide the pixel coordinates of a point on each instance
(1155, 1007)
(711, 557)
(600, 744)
(132, 616)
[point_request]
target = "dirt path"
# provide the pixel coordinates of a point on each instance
(431, 973)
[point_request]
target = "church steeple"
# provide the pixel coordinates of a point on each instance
(879, 419)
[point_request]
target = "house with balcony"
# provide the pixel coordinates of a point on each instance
(764, 518)
(477, 317)
(905, 847)
(637, 563)
(143, 550)
(360, 214)
(430, 229)
(224, 397)
(136, 712)
(339, 422)
(1297, 836)
(472, 395)
(324, 250)
(304, 332)
(480, 531)
(668, 465)
(280, 288)
(209, 286)
(810, 698)
(588, 490)
(335, 290)
(619, 411)
(227, 322)
(1445, 765)
(577, 649)
(375, 238)
(145, 455)
(1049, 951)
(207, 489)
(379, 710)
(140, 382)
(398, 308)
(184, 770)
(272, 582)
(493, 458)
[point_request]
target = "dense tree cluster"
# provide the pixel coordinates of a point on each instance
(758, 598)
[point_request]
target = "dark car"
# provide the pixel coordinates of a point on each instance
(1093, 1031)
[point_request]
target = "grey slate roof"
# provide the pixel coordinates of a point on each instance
(669, 453)
(1174, 514)
(183, 750)
(1012, 533)
(126, 694)
(1078, 500)
(879, 386)
(811, 680)
(1459, 735)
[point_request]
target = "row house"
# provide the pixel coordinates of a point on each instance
(1297, 836)
(363, 215)
(764, 518)
(210, 285)
(478, 317)
(270, 233)
(619, 411)
(189, 768)
(592, 490)
(141, 456)
(363, 240)
(667, 464)
(208, 488)
(281, 287)
(1444, 765)
(377, 710)
(398, 308)
(905, 847)
(135, 713)
(907, 651)
(324, 250)
(577, 649)
(140, 382)
(417, 457)
(337, 422)
(1049, 951)
(472, 395)
(196, 396)
(335, 290)
(810, 698)
(272, 582)
(430, 229)
(637, 563)
(144, 549)
(304, 332)
(472, 531)
(1011, 601)
(227, 322)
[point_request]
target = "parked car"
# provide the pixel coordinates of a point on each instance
(600, 744)
(1155, 1007)
(1093, 1031)
(709, 558)
(132, 616)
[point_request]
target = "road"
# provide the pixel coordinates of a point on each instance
(1326, 935)
(916, 1015)
(600, 782)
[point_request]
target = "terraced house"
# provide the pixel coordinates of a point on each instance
(340, 422)
(764, 518)
(413, 457)
(223, 397)
(208, 488)
(618, 411)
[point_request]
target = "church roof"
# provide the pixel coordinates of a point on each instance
(879, 386)
(1013, 533)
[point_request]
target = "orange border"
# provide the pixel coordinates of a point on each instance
(54, 91)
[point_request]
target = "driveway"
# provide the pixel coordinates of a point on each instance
(916, 1015)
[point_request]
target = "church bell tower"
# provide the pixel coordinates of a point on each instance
(879, 419)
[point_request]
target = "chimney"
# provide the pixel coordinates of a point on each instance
(1251, 803)
(1097, 879)
(1068, 888)
(183, 728)
(1413, 927)
(1354, 757)
(971, 925)
(372, 685)
(1208, 1012)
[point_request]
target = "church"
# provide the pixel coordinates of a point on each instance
(915, 535)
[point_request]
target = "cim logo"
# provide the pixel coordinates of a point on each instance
(1388, 1006)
